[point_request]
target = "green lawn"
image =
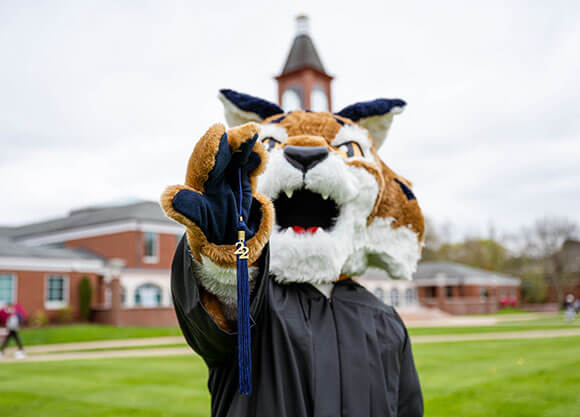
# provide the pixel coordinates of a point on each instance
(543, 323)
(523, 378)
(470, 379)
(90, 332)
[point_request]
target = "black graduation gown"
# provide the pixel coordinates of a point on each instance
(347, 356)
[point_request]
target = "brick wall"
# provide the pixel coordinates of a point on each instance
(307, 78)
(122, 245)
(31, 290)
(129, 246)
(465, 299)
(158, 316)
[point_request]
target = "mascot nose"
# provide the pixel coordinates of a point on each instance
(305, 157)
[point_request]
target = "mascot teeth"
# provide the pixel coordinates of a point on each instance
(305, 211)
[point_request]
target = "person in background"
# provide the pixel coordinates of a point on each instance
(13, 321)
(569, 311)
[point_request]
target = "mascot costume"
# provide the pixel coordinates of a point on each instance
(281, 210)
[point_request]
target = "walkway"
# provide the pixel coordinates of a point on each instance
(150, 347)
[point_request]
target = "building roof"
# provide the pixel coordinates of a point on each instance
(572, 245)
(302, 55)
(430, 273)
(6, 230)
(449, 271)
(149, 211)
(9, 248)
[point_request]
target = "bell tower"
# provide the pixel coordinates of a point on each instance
(304, 83)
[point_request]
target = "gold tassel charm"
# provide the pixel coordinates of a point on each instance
(241, 248)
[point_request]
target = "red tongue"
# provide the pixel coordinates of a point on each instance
(300, 230)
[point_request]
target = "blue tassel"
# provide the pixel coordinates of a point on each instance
(244, 335)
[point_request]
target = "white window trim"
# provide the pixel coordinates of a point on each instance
(316, 89)
(396, 291)
(55, 305)
(140, 305)
(155, 258)
(14, 286)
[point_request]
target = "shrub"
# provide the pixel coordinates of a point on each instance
(85, 295)
(38, 319)
(64, 315)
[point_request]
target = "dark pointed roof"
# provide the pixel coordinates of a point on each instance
(303, 55)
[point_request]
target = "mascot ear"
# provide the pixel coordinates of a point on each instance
(375, 116)
(241, 108)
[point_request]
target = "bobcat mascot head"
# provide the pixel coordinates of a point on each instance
(338, 207)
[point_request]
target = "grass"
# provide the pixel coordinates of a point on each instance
(93, 332)
(508, 378)
(90, 332)
(501, 378)
(507, 310)
(528, 378)
(543, 323)
(135, 387)
(117, 348)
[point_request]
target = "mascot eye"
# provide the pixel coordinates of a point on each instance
(270, 143)
(350, 149)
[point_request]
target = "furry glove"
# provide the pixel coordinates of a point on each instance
(222, 163)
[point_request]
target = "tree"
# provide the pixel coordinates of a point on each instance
(479, 253)
(436, 235)
(85, 295)
(543, 241)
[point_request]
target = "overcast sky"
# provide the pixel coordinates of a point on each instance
(103, 101)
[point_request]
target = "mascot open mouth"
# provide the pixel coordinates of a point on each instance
(305, 211)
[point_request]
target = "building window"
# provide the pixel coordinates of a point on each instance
(502, 292)
(483, 292)
(318, 99)
(379, 293)
(410, 296)
(151, 247)
(512, 292)
(148, 295)
(449, 291)
(430, 292)
(123, 296)
(291, 99)
(395, 297)
(56, 295)
(7, 289)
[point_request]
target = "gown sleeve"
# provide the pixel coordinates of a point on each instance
(205, 337)
(410, 396)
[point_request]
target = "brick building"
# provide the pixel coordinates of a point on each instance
(567, 262)
(460, 289)
(399, 293)
(45, 279)
(124, 250)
